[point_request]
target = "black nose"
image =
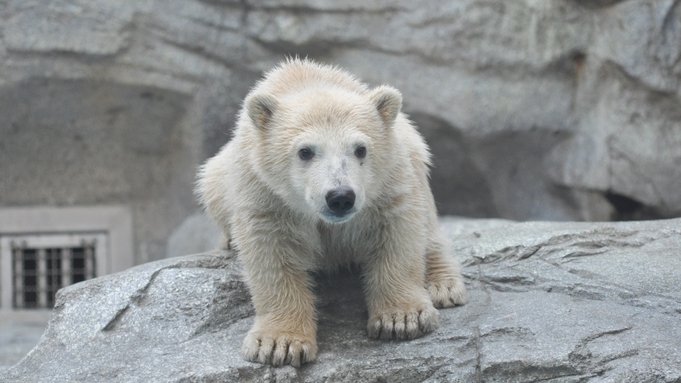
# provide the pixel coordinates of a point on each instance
(340, 200)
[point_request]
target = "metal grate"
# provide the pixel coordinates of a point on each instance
(39, 271)
(60, 232)
(33, 267)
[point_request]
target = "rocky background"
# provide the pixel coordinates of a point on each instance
(535, 110)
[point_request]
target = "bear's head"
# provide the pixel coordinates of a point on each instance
(324, 150)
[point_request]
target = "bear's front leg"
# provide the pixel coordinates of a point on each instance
(284, 332)
(399, 305)
(443, 279)
(285, 328)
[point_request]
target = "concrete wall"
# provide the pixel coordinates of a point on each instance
(85, 142)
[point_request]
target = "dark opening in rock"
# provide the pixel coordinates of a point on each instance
(629, 209)
(594, 4)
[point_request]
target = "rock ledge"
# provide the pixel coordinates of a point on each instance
(566, 302)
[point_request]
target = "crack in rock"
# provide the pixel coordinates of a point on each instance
(582, 358)
(136, 298)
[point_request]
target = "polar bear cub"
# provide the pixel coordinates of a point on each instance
(323, 172)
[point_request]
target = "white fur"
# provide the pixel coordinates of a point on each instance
(272, 207)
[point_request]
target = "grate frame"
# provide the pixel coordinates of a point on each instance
(35, 266)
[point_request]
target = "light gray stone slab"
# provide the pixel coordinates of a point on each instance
(563, 302)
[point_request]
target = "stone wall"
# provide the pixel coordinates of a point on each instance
(558, 110)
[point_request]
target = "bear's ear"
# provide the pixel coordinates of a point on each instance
(388, 102)
(260, 108)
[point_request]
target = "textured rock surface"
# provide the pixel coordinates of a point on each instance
(560, 110)
(573, 302)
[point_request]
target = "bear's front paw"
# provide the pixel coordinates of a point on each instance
(279, 348)
(403, 324)
(447, 293)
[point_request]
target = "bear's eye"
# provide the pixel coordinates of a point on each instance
(361, 152)
(305, 154)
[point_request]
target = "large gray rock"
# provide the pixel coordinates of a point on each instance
(197, 234)
(562, 302)
(557, 110)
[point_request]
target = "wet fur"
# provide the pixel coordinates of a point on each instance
(271, 208)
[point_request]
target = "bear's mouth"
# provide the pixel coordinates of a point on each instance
(333, 217)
